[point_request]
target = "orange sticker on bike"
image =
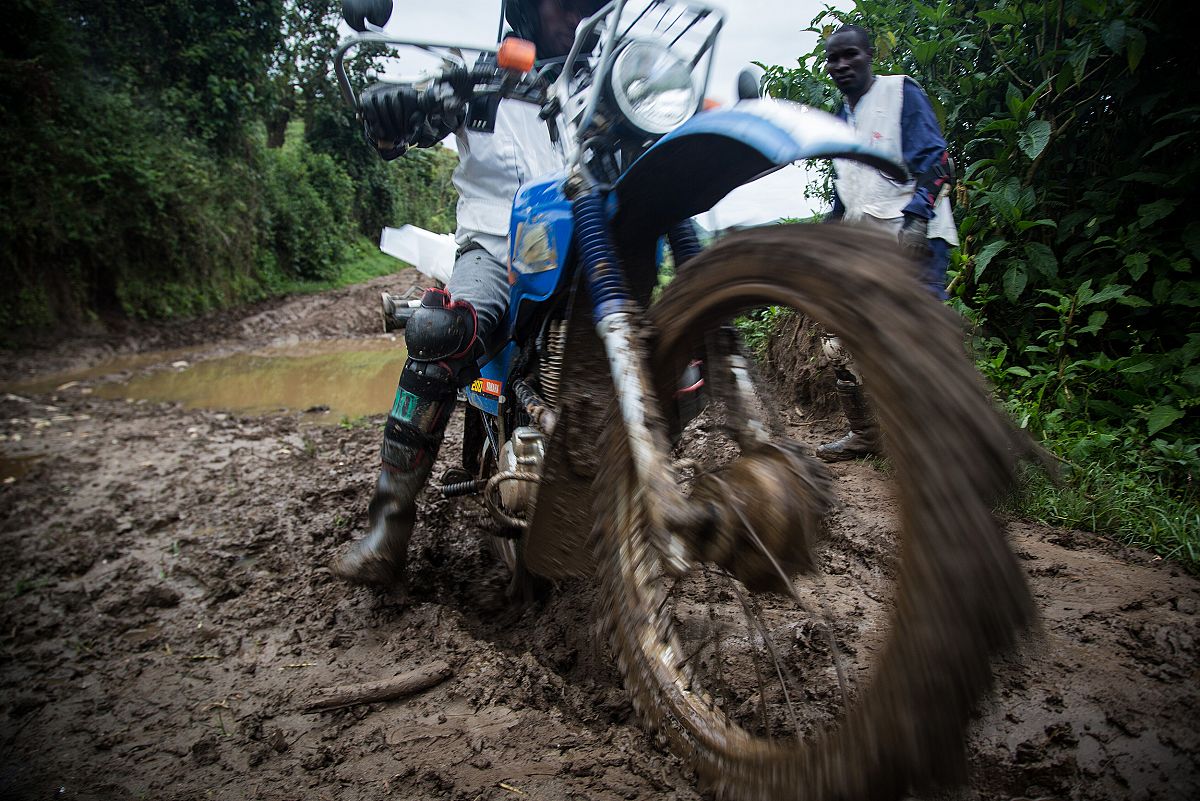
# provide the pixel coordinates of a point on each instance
(486, 386)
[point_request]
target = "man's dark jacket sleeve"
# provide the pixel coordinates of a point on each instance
(922, 144)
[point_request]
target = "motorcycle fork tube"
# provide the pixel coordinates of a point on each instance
(685, 244)
(614, 312)
(732, 384)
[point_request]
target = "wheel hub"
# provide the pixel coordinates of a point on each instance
(765, 510)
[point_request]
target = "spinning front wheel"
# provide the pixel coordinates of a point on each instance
(958, 597)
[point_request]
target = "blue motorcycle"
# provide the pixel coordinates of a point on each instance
(619, 429)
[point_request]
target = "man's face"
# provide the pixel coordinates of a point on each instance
(559, 19)
(848, 62)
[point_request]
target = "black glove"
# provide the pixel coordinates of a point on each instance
(391, 117)
(914, 237)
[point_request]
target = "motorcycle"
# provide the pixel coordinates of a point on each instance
(619, 429)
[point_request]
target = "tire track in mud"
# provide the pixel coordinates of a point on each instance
(167, 612)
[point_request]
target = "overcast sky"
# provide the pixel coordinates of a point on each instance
(769, 31)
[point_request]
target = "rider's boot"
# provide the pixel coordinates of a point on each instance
(863, 438)
(441, 337)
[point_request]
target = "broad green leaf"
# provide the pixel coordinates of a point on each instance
(1133, 302)
(1114, 35)
(986, 255)
(1137, 264)
(1063, 82)
(1034, 138)
(1015, 279)
(1138, 367)
(1096, 321)
(1013, 99)
(1079, 59)
(1135, 49)
(1191, 239)
(1186, 293)
(1150, 213)
(1156, 178)
(1041, 259)
(999, 16)
(1021, 371)
(1160, 417)
(1107, 293)
(1161, 143)
(1025, 225)
(1191, 375)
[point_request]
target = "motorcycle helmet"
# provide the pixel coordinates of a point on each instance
(524, 16)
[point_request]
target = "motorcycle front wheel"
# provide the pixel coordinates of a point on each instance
(959, 596)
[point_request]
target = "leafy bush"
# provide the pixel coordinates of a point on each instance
(138, 180)
(1075, 135)
(309, 202)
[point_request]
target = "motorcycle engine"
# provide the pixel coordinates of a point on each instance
(522, 455)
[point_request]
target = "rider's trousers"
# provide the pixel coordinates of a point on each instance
(425, 395)
(481, 280)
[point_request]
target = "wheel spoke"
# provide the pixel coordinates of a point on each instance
(826, 622)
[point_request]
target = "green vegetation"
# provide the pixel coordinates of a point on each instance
(1074, 125)
(167, 158)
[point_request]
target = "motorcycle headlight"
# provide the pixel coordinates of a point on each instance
(652, 87)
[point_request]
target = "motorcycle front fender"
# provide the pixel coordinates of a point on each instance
(690, 169)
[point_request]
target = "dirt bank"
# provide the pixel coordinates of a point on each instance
(167, 613)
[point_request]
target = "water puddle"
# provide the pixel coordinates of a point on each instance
(121, 364)
(14, 467)
(351, 377)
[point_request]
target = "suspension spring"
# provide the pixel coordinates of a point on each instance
(684, 242)
(605, 278)
(461, 488)
(551, 363)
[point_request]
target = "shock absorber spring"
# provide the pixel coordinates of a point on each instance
(684, 242)
(550, 364)
(605, 278)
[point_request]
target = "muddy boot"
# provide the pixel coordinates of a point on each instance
(863, 439)
(441, 336)
(379, 558)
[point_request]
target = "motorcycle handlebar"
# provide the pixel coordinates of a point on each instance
(461, 80)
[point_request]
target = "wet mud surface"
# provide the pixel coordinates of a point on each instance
(168, 614)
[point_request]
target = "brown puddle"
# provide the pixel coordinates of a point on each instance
(352, 377)
(120, 364)
(15, 467)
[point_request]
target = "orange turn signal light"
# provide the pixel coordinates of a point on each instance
(710, 104)
(516, 54)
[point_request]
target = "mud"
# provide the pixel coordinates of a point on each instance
(167, 614)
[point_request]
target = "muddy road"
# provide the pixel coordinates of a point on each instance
(167, 611)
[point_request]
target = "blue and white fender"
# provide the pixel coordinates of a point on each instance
(690, 169)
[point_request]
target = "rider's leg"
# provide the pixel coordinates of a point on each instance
(443, 342)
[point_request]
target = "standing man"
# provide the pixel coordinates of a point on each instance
(891, 115)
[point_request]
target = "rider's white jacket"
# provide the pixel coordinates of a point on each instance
(492, 166)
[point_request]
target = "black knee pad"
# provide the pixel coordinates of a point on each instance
(441, 329)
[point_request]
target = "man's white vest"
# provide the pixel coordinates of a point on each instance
(492, 166)
(866, 193)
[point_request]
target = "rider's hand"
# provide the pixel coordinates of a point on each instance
(392, 117)
(914, 237)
